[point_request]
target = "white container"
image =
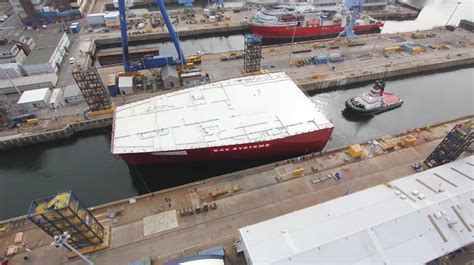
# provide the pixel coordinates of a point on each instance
(207, 11)
(56, 98)
(126, 85)
(95, 19)
(212, 19)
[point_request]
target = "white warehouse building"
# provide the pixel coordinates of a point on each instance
(48, 54)
(412, 220)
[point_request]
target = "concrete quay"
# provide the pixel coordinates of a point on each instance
(252, 196)
(362, 64)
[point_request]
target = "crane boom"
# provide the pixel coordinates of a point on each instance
(124, 36)
(173, 35)
(123, 31)
(354, 7)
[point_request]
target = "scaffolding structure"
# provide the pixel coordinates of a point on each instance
(452, 146)
(65, 213)
(4, 110)
(91, 86)
(252, 53)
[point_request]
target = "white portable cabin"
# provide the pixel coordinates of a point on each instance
(126, 85)
(56, 98)
(95, 19)
(34, 99)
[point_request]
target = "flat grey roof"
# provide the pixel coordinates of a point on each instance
(72, 91)
(44, 48)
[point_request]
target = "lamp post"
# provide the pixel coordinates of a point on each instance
(61, 240)
(11, 82)
(447, 22)
(292, 41)
(373, 145)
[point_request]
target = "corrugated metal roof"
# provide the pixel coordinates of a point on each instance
(167, 71)
(29, 80)
(413, 220)
(242, 110)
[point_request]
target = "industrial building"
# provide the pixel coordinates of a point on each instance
(16, 50)
(27, 9)
(170, 77)
(72, 95)
(25, 83)
(10, 70)
(34, 99)
(47, 55)
(413, 220)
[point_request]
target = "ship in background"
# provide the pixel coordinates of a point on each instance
(305, 21)
(239, 119)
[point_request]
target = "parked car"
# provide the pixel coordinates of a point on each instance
(72, 60)
(3, 18)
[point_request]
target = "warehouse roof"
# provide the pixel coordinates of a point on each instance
(413, 220)
(29, 80)
(168, 71)
(44, 48)
(236, 111)
(33, 95)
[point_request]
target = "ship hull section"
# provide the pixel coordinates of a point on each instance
(290, 146)
(307, 33)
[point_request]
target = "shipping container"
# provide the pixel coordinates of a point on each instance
(336, 57)
(95, 19)
(320, 59)
(157, 61)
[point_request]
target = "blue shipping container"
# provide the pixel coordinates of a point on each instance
(320, 59)
(113, 91)
(157, 61)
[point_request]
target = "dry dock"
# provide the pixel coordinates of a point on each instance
(246, 197)
(375, 57)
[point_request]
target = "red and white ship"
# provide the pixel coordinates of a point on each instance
(245, 118)
(305, 21)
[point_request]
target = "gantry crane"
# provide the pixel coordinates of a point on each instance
(148, 62)
(354, 7)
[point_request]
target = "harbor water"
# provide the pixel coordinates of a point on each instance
(84, 164)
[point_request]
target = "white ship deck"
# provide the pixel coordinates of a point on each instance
(236, 111)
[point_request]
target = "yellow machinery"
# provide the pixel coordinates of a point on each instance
(103, 112)
(392, 49)
(182, 68)
(194, 59)
(65, 213)
(356, 150)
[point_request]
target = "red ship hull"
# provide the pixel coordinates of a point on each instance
(286, 32)
(289, 146)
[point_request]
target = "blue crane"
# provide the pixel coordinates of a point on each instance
(145, 62)
(354, 7)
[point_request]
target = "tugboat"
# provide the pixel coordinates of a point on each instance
(375, 101)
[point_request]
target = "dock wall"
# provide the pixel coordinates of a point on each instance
(165, 36)
(66, 132)
(328, 84)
